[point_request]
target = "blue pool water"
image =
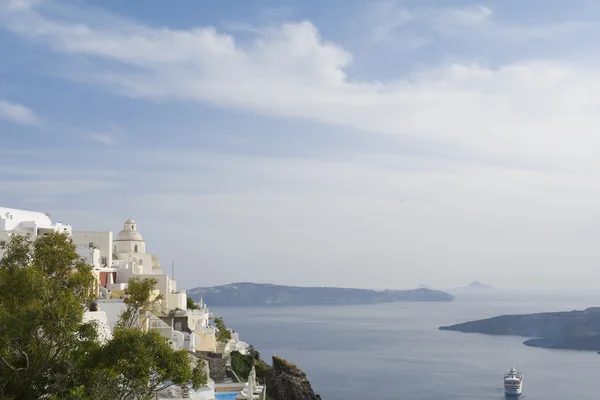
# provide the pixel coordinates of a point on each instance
(225, 395)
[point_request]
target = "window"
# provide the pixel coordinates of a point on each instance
(2, 244)
(135, 248)
(104, 262)
(141, 261)
(91, 245)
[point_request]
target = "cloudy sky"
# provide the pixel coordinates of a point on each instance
(275, 141)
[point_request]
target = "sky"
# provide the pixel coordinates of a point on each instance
(375, 144)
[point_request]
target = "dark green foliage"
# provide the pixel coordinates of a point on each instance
(223, 335)
(191, 305)
(142, 363)
(262, 369)
(242, 365)
(47, 353)
(138, 297)
(44, 288)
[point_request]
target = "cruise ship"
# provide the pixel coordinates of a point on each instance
(513, 382)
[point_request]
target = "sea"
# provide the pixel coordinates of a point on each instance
(395, 350)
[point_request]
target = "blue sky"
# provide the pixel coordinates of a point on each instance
(272, 141)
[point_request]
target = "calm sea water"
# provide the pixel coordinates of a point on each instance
(395, 351)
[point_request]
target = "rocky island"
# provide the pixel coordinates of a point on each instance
(570, 330)
(255, 294)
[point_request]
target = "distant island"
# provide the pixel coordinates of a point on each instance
(477, 286)
(473, 291)
(570, 330)
(258, 294)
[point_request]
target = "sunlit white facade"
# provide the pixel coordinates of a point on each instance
(31, 223)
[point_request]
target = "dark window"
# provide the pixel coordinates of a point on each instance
(2, 244)
(91, 245)
(135, 248)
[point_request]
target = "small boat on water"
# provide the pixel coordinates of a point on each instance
(513, 382)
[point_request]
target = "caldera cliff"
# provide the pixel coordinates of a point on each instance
(259, 294)
(285, 381)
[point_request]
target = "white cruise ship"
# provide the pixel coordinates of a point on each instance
(513, 382)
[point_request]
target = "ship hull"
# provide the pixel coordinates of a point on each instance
(513, 391)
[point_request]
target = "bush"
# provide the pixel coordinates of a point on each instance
(241, 364)
(191, 305)
(223, 335)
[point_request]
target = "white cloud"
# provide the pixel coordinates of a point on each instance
(399, 28)
(320, 222)
(469, 16)
(384, 18)
(529, 110)
(55, 187)
(473, 220)
(103, 138)
(18, 114)
(108, 134)
(292, 218)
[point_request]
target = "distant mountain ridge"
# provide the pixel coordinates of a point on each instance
(260, 294)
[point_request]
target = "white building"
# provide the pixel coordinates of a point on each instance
(31, 223)
(117, 260)
(114, 262)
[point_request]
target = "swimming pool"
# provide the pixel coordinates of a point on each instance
(225, 395)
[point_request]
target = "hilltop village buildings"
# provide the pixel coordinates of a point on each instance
(115, 259)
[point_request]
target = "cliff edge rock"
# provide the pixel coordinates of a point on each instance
(285, 381)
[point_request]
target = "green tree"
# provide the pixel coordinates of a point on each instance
(139, 297)
(44, 288)
(139, 363)
(191, 305)
(223, 333)
(241, 364)
(47, 352)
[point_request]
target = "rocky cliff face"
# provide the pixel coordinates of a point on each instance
(285, 381)
(217, 367)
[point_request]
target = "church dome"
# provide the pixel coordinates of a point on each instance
(129, 233)
(126, 235)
